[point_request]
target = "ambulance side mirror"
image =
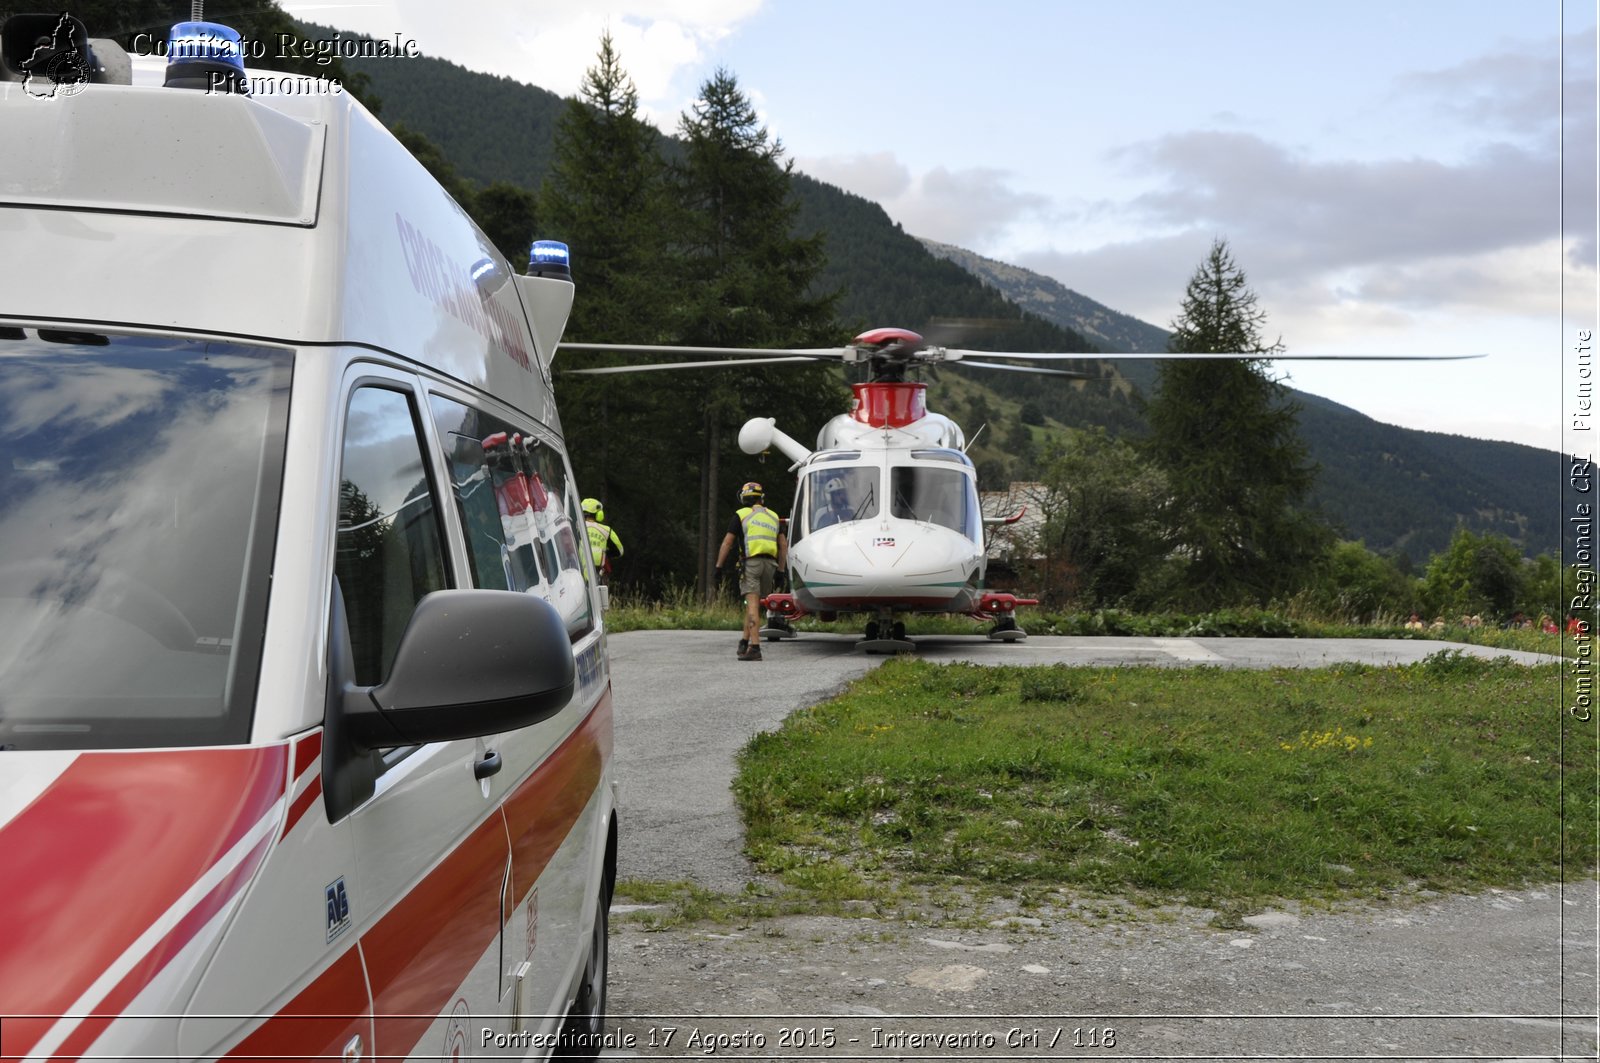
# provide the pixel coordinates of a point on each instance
(470, 663)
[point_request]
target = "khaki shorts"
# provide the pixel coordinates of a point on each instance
(758, 575)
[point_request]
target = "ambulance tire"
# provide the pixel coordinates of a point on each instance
(583, 1033)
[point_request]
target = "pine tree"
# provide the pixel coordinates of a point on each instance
(748, 282)
(606, 196)
(1225, 434)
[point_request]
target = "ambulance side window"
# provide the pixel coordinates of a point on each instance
(517, 508)
(389, 550)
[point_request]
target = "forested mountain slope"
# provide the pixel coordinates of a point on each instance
(1399, 490)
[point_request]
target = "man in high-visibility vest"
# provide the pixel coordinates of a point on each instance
(603, 541)
(763, 550)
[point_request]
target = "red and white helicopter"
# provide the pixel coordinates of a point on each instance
(886, 519)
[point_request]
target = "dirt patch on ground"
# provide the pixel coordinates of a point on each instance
(1425, 976)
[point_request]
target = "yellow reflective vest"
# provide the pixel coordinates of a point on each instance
(760, 526)
(599, 535)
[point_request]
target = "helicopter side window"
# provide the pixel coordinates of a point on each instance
(839, 496)
(797, 516)
(942, 496)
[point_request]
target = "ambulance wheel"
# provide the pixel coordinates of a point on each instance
(584, 1030)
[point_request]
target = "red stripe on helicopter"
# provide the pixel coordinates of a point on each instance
(892, 405)
(899, 603)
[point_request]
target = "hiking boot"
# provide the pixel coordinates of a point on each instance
(751, 654)
(744, 644)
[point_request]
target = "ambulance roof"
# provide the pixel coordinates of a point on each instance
(289, 216)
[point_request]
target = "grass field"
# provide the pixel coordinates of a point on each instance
(1209, 787)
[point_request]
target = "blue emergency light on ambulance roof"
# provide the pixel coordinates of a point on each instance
(549, 258)
(207, 56)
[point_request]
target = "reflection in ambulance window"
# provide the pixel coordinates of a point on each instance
(138, 484)
(516, 509)
(388, 553)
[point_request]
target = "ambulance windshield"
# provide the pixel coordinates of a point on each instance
(139, 478)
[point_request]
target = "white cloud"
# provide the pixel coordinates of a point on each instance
(1323, 215)
(551, 45)
(1513, 90)
(877, 175)
(1473, 232)
(967, 207)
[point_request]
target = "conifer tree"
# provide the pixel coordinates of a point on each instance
(1225, 435)
(606, 197)
(748, 281)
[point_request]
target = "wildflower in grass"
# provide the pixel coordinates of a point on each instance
(1334, 741)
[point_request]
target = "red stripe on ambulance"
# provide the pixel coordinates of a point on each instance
(108, 1010)
(321, 1019)
(419, 952)
(105, 852)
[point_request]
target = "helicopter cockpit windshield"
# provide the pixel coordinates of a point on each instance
(938, 489)
(839, 495)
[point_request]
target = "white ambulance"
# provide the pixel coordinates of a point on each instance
(305, 713)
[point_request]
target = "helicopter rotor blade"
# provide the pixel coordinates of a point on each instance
(1231, 356)
(1030, 369)
(726, 352)
(729, 364)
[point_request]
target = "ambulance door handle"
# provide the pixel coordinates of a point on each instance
(489, 765)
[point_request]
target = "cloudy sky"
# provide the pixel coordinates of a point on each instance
(1388, 174)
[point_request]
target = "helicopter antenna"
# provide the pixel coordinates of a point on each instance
(975, 436)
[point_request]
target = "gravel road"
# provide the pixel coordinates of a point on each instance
(1499, 975)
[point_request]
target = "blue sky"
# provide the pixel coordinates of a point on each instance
(1386, 173)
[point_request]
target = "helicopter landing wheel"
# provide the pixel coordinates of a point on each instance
(872, 630)
(1006, 629)
(898, 631)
